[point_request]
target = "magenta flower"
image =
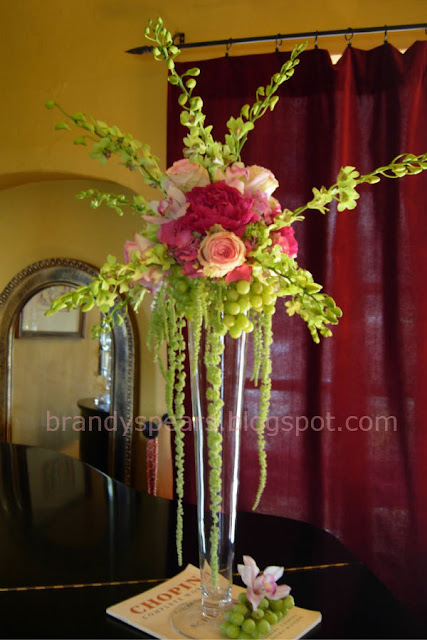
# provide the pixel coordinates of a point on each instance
(219, 204)
(285, 238)
(244, 272)
(175, 234)
(261, 585)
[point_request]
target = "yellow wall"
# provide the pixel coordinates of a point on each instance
(53, 362)
(44, 219)
(74, 53)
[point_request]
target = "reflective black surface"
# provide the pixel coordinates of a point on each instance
(75, 532)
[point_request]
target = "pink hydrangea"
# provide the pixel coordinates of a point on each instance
(285, 238)
(187, 256)
(244, 272)
(175, 233)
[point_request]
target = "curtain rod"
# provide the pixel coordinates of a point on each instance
(179, 38)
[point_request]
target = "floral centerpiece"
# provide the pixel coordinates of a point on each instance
(216, 250)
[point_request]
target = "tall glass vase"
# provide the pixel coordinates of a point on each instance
(217, 455)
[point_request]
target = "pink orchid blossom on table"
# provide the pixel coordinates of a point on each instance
(262, 585)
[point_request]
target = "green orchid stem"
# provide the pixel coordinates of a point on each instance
(141, 168)
(403, 164)
(265, 104)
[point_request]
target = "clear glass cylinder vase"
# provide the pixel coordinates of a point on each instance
(217, 461)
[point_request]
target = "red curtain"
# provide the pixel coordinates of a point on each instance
(347, 437)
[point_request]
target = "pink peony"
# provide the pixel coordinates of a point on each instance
(186, 175)
(285, 237)
(220, 204)
(221, 252)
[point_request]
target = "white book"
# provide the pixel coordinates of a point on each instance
(151, 611)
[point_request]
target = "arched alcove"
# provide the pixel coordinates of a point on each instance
(23, 287)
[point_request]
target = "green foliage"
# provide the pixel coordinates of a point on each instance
(264, 100)
(107, 141)
(116, 202)
(344, 190)
(200, 144)
(112, 291)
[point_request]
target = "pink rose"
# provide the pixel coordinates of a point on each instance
(221, 252)
(285, 237)
(186, 175)
(220, 204)
(260, 179)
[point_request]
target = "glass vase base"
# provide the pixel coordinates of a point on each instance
(190, 622)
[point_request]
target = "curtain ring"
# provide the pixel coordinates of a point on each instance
(316, 37)
(178, 38)
(349, 36)
(228, 47)
(385, 35)
(279, 42)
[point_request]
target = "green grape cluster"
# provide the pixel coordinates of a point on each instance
(182, 290)
(241, 297)
(243, 622)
